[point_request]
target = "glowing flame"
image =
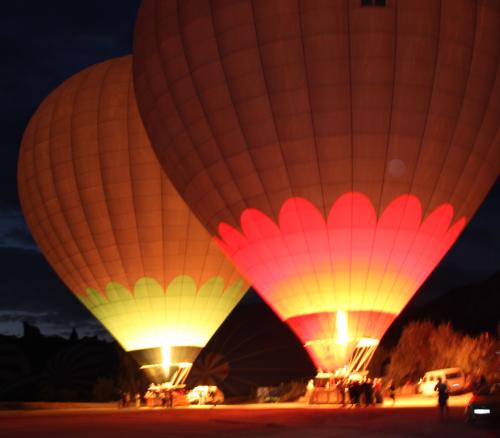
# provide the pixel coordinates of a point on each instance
(341, 325)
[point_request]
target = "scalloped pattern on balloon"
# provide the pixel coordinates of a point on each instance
(182, 314)
(350, 261)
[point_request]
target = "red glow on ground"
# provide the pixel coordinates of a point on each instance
(350, 262)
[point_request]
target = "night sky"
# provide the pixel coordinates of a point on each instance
(45, 42)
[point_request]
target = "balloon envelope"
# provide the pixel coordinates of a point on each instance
(112, 225)
(338, 149)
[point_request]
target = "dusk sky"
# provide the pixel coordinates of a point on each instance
(44, 43)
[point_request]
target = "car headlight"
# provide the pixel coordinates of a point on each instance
(481, 411)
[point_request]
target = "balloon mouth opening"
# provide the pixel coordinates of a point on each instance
(343, 357)
(326, 342)
(367, 342)
(167, 364)
(362, 342)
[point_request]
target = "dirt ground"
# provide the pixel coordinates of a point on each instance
(411, 417)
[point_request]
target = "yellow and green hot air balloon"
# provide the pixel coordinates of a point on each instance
(112, 225)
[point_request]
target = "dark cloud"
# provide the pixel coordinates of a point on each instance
(30, 287)
(14, 232)
(55, 320)
(49, 323)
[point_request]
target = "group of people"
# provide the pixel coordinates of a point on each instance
(126, 400)
(350, 392)
(366, 391)
(156, 395)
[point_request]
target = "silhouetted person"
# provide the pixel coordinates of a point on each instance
(392, 393)
(169, 399)
(350, 391)
(377, 390)
(355, 392)
(443, 394)
(341, 392)
(368, 392)
(125, 399)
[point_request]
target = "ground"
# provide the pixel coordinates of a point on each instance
(411, 417)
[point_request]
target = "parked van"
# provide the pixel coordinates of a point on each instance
(454, 378)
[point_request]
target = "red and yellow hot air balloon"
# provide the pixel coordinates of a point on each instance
(112, 225)
(336, 147)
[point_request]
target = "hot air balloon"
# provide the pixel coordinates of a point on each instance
(113, 227)
(336, 147)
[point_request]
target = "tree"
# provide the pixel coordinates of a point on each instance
(424, 346)
(443, 345)
(478, 356)
(412, 356)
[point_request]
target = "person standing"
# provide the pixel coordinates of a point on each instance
(356, 393)
(392, 393)
(163, 398)
(368, 392)
(169, 399)
(443, 394)
(123, 399)
(341, 392)
(351, 391)
(377, 389)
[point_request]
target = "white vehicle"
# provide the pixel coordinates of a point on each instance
(201, 395)
(454, 378)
